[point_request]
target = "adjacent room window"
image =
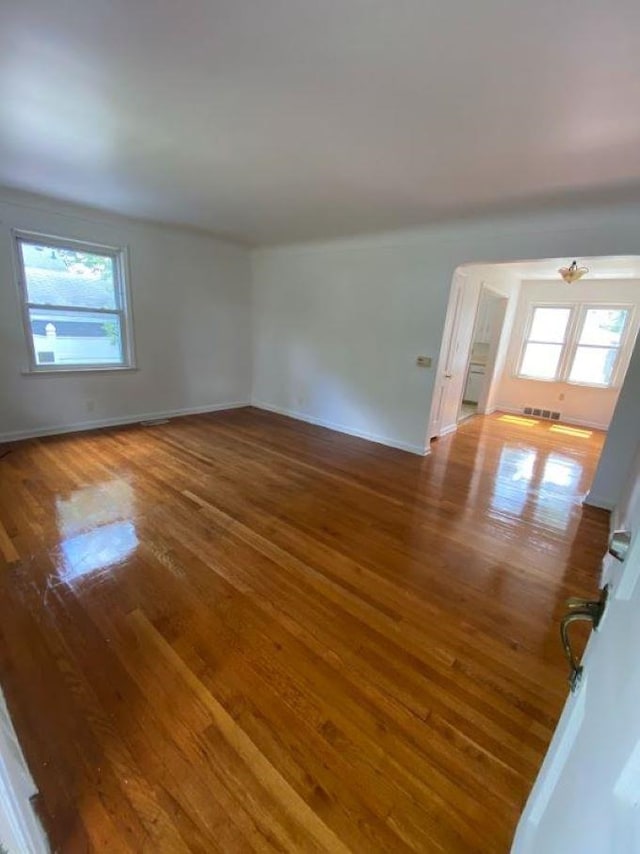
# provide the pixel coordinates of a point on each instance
(598, 347)
(75, 304)
(545, 342)
(580, 344)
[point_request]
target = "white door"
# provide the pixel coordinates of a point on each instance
(443, 375)
(454, 355)
(20, 830)
(586, 799)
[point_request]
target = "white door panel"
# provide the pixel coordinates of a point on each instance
(586, 799)
(454, 355)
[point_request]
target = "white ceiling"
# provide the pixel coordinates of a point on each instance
(277, 120)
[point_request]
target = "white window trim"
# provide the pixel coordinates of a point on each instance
(575, 324)
(120, 256)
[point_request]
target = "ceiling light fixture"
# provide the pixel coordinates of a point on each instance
(572, 273)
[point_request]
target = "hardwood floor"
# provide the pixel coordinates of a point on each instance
(238, 632)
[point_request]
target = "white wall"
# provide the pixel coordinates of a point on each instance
(627, 507)
(191, 313)
(621, 446)
(337, 325)
(592, 407)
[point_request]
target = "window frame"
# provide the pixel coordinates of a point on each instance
(575, 325)
(574, 342)
(120, 257)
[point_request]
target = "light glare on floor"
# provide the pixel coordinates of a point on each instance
(571, 431)
(517, 419)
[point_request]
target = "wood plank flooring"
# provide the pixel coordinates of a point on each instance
(237, 632)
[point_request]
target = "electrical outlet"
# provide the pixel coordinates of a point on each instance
(423, 361)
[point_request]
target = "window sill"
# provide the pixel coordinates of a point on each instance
(90, 369)
(612, 387)
(536, 379)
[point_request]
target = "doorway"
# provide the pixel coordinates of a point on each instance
(481, 309)
(485, 343)
(521, 340)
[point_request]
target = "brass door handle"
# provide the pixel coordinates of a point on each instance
(619, 543)
(580, 609)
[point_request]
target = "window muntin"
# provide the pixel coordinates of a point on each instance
(75, 305)
(579, 344)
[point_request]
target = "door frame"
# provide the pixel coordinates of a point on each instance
(494, 345)
(443, 370)
(448, 350)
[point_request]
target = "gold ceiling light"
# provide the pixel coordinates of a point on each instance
(572, 273)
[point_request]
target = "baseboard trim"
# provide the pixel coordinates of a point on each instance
(574, 422)
(447, 431)
(600, 501)
(81, 426)
(342, 428)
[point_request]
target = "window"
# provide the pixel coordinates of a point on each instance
(598, 346)
(578, 344)
(75, 305)
(545, 342)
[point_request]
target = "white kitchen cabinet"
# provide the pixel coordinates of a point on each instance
(475, 381)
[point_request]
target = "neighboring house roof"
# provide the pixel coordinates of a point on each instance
(75, 328)
(60, 287)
